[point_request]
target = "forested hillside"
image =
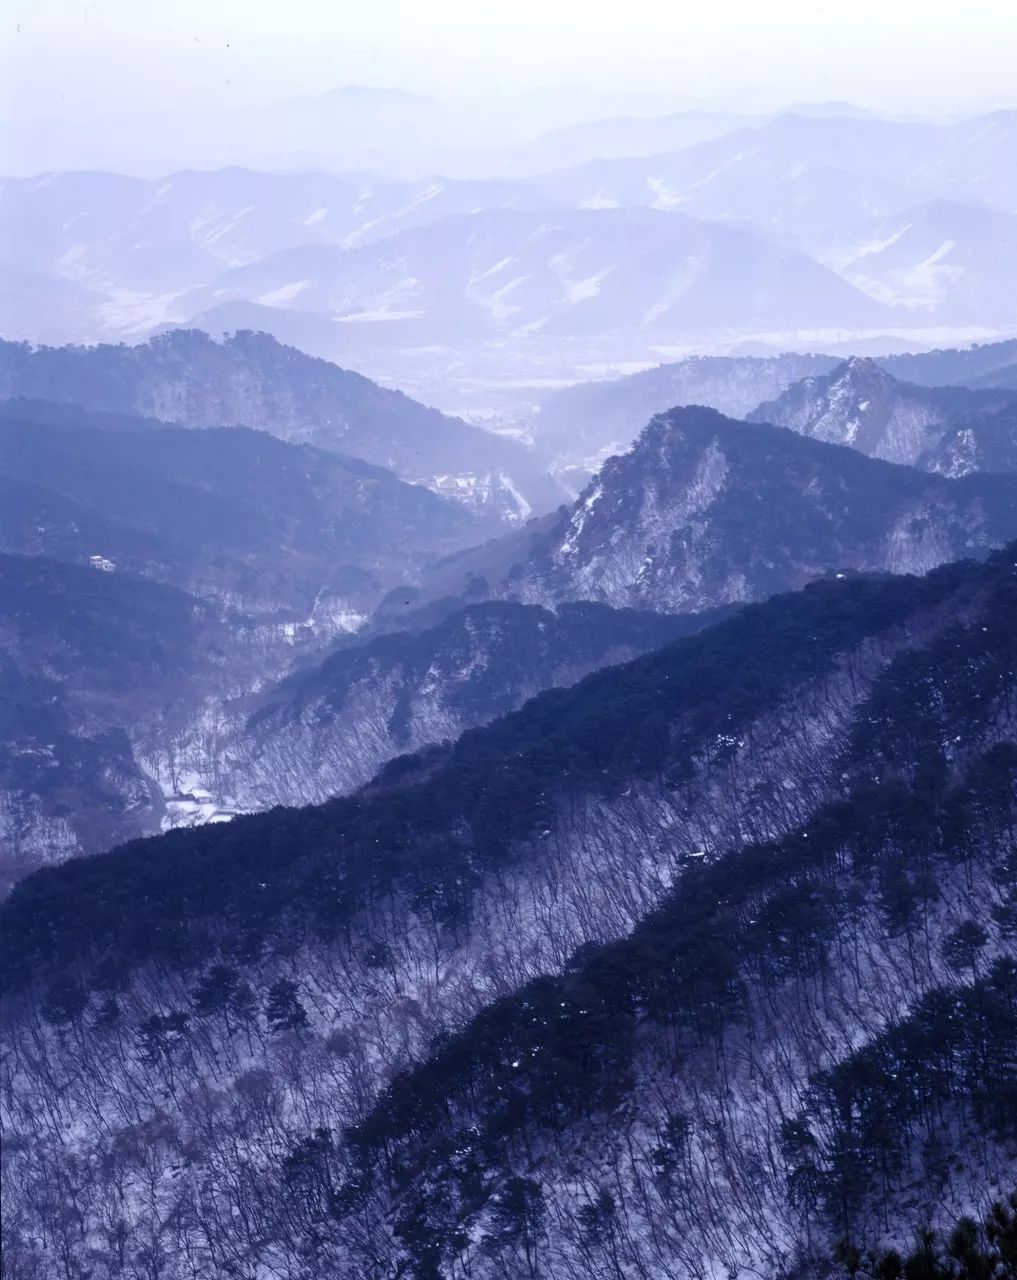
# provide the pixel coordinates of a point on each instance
(705, 511)
(508, 641)
(594, 993)
(86, 660)
(249, 520)
(250, 380)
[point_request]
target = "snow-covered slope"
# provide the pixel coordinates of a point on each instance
(572, 274)
(859, 404)
(947, 262)
(327, 730)
(799, 176)
(671, 973)
(705, 510)
(151, 236)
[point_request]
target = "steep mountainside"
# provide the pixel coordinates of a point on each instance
(978, 441)
(585, 423)
(568, 274)
(950, 262)
(690, 969)
(251, 380)
(706, 510)
(88, 662)
(236, 515)
(860, 404)
(327, 730)
(590, 421)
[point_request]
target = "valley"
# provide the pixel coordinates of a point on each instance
(508, 633)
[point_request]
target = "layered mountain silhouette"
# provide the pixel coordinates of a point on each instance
(565, 833)
(582, 424)
(236, 515)
(565, 273)
(251, 380)
(706, 510)
(798, 176)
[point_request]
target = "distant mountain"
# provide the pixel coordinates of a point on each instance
(584, 423)
(799, 176)
(104, 256)
(622, 136)
(825, 110)
(236, 515)
(250, 380)
(587, 422)
(88, 660)
(104, 229)
(963, 367)
(859, 404)
(949, 262)
(41, 306)
(705, 510)
(576, 274)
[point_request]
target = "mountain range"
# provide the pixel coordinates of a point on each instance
(680, 966)
(705, 510)
(916, 217)
(290, 548)
(107, 231)
(953, 430)
(250, 380)
(799, 175)
(570, 273)
(564, 833)
(941, 259)
(152, 575)
(231, 514)
(582, 424)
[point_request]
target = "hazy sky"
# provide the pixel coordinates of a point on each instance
(108, 56)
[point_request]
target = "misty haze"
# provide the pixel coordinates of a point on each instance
(508, 633)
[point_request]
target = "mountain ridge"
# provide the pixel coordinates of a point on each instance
(706, 510)
(716, 928)
(251, 380)
(858, 403)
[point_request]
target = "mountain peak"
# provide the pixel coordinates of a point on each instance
(858, 403)
(857, 365)
(705, 510)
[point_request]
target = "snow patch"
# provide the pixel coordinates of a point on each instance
(285, 293)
